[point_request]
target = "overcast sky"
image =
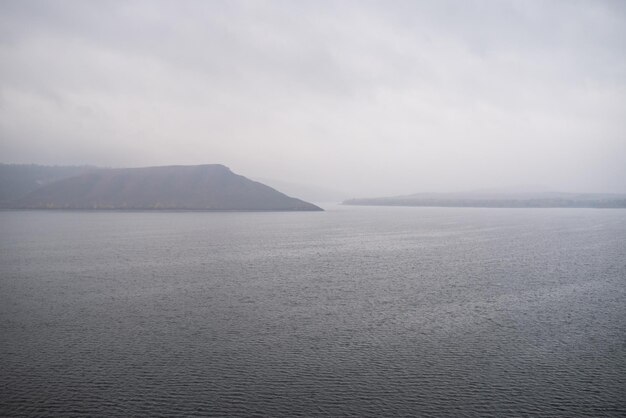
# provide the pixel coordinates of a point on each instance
(368, 97)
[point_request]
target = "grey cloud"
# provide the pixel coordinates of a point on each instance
(370, 97)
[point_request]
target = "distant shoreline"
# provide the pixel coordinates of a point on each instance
(537, 203)
(484, 207)
(150, 210)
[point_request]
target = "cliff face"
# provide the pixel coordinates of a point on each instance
(202, 187)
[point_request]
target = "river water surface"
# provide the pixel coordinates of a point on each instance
(357, 311)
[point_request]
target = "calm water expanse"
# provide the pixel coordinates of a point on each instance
(354, 311)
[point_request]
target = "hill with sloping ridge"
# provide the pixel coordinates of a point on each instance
(201, 187)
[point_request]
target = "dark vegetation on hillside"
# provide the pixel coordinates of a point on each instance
(202, 187)
(17, 180)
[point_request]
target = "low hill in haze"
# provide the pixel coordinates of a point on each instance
(201, 187)
(499, 200)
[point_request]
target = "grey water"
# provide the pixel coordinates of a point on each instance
(356, 311)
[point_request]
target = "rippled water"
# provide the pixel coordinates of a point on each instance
(354, 311)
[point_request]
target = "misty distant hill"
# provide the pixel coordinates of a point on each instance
(201, 187)
(495, 199)
(17, 180)
(307, 192)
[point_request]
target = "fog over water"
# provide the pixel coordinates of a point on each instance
(363, 97)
